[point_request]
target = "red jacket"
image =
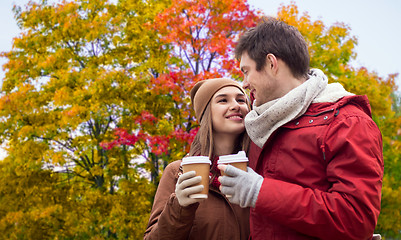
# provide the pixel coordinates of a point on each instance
(322, 175)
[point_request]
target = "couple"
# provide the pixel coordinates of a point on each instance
(315, 155)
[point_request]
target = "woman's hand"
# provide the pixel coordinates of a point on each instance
(186, 186)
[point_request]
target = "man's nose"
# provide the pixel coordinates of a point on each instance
(245, 83)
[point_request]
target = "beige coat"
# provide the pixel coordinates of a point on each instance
(214, 218)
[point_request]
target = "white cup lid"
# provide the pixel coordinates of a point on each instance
(195, 159)
(239, 157)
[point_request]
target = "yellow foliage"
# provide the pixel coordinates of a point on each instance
(25, 131)
(77, 70)
(62, 96)
(97, 171)
(390, 216)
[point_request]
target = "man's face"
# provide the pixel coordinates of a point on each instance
(262, 85)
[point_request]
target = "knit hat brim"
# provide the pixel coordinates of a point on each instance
(203, 91)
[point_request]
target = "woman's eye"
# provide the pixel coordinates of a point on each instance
(241, 100)
(222, 100)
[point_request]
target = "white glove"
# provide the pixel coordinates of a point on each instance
(185, 187)
(243, 186)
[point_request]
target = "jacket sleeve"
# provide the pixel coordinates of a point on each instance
(349, 209)
(168, 220)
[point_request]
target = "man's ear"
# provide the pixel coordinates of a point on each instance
(272, 63)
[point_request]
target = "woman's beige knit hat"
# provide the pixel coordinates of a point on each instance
(203, 91)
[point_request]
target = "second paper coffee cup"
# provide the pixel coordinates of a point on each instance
(201, 165)
(239, 160)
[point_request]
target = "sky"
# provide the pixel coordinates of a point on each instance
(376, 24)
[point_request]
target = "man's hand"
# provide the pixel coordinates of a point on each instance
(243, 186)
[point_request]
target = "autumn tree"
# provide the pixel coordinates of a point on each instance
(201, 36)
(77, 71)
(332, 49)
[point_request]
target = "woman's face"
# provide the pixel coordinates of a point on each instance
(228, 108)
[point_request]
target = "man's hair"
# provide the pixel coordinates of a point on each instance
(278, 38)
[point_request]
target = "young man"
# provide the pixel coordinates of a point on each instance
(316, 152)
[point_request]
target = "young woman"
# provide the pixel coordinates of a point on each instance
(220, 107)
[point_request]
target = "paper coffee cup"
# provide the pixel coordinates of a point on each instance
(239, 160)
(201, 166)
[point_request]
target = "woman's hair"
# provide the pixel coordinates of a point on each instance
(202, 144)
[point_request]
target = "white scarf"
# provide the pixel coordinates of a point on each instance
(262, 121)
